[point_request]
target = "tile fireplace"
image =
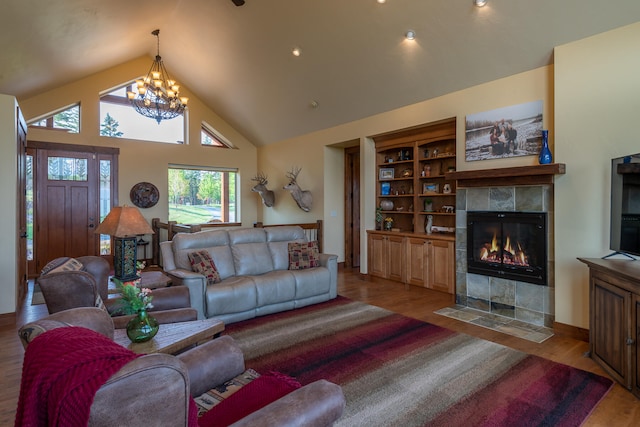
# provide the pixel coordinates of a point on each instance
(508, 245)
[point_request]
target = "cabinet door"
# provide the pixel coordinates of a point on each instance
(441, 265)
(611, 329)
(416, 262)
(377, 259)
(395, 258)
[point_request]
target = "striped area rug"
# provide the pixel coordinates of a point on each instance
(398, 371)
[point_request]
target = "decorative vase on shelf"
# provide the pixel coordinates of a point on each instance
(428, 224)
(545, 154)
(142, 327)
(386, 205)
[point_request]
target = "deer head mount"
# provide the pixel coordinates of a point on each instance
(302, 197)
(268, 196)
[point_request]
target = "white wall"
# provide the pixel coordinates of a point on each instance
(9, 197)
(597, 98)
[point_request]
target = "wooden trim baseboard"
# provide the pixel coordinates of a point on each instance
(571, 331)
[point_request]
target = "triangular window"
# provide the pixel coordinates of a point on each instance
(67, 119)
(211, 138)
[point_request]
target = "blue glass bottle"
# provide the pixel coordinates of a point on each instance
(545, 154)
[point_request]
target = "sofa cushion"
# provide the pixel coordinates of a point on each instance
(232, 295)
(312, 282)
(303, 255)
(278, 239)
(201, 262)
(184, 243)
(275, 287)
(251, 254)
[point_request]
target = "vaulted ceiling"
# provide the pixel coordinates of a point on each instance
(355, 61)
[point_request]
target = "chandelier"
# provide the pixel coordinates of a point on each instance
(157, 96)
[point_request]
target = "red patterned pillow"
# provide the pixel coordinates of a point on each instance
(303, 255)
(201, 262)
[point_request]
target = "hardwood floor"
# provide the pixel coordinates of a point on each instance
(619, 408)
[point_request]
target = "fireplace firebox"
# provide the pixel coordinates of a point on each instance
(509, 245)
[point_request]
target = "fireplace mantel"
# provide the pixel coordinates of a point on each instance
(522, 175)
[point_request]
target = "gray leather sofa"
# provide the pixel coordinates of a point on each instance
(253, 265)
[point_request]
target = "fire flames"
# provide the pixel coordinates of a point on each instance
(512, 255)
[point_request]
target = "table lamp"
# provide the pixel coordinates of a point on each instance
(124, 223)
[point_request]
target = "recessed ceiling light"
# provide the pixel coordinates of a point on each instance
(479, 3)
(410, 35)
(382, 1)
(296, 51)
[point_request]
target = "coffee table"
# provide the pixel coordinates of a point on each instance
(173, 337)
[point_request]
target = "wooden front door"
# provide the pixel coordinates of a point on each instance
(71, 190)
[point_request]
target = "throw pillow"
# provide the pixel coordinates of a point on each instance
(59, 265)
(201, 262)
(303, 255)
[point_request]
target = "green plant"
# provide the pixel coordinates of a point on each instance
(379, 214)
(133, 298)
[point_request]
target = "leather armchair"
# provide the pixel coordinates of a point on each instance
(71, 289)
(154, 389)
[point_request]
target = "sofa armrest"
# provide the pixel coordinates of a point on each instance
(327, 259)
(320, 403)
(88, 317)
(197, 285)
(331, 262)
(213, 363)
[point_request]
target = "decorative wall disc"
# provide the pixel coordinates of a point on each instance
(144, 195)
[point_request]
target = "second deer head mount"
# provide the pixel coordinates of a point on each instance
(302, 197)
(268, 196)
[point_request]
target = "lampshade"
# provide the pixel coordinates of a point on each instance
(124, 221)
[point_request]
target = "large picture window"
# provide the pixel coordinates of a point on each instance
(200, 195)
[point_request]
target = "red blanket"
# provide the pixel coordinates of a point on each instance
(63, 369)
(253, 396)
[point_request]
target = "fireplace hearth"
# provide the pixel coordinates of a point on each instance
(508, 245)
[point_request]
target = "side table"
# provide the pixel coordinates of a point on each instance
(172, 338)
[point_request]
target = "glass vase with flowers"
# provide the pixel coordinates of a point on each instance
(137, 300)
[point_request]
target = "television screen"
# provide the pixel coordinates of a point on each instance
(625, 204)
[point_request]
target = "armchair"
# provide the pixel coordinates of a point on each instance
(63, 290)
(156, 389)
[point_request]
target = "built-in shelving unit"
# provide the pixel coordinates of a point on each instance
(412, 180)
(411, 186)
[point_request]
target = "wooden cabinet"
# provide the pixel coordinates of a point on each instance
(413, 259)
(416, 261)
(614, 318)
(386, 256)
(441, 261)
(411, 182)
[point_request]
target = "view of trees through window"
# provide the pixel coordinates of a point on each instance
(198, 196)
(118, 119)
(68, 119)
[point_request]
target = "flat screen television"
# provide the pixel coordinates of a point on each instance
(625, 205)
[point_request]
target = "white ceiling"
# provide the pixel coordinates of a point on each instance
(354, 63)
